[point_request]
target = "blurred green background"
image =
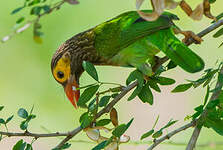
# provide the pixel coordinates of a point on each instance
(26, 78)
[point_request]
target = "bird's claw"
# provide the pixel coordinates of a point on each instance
(189, 35)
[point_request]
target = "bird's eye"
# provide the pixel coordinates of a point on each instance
(60, 74)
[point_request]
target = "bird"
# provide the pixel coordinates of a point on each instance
(126, 40)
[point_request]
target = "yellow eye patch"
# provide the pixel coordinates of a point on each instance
(61, 72)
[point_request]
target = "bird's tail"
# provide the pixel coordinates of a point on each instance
(178, 52)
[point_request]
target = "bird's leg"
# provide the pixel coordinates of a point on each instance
(188, 35)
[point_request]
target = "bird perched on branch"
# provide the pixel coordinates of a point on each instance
(126, 40)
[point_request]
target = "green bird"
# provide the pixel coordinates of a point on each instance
(126, 40)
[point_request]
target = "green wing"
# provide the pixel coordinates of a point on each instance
(123, 30)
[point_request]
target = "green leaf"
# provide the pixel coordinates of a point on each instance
(17, 10)
(22, 113)
(21, 19)
(29, 147)
(119, 130)
(9, 119)
(86, 121)
(24, 125)
(170, 123)
(87, 95)
(207, 95)
(182, 88)
(145, 95)
(147, 134)
(135, 75)
(35, 10)
(19, 145)
(218, 33)
(154, 85)
(157, 134)
(171, 65)
(135, 92)
(90, 69)
(165, 81)
(216, 125)
(211, 1)
(66, 146)
(2, 121)
(104, 101)
(82, 116)
(46, 8)
(100, 145)
(103, 122)
(1, 107)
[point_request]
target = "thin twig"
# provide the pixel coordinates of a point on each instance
(169, 135)
(198, 127)
(35, 135)
(100, 113)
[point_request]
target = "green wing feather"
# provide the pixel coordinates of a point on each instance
(128, 40)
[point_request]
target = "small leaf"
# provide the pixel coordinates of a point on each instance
(165, 81)
(100, 146)
(103, 122)
(29, 147)
(24, 125)
(157, 134)
(87, 95)
(21, 19)
(154, 85)
(66, 146)
(17, 10)
(22, 113)
(104, 101)
(145, 95)
(135, 92)
(2, 121)
(9, 119)
(218, 33)
(147, 134)
(119, 130)
(1, 107)
(170, 123)
(19, 145)
(207, 95)
(114, 117)
(90, 69)
(171, 65)
(182, 87)
(135, 75)
(46, 8)
(86, 121)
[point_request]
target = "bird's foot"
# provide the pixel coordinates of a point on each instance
(189, 35)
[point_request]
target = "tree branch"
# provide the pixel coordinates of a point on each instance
(35, 135)
(100, 113)
(198, 127)
(169, 135)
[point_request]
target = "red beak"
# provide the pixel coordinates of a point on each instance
(71, 91)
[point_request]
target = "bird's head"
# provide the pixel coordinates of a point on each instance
(64, 71)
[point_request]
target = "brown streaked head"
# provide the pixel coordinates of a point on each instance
(65, 73)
